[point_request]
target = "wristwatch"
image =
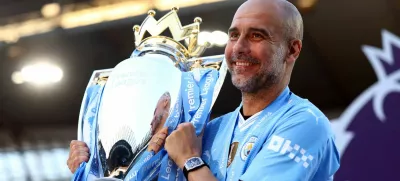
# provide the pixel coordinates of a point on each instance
(193, 164)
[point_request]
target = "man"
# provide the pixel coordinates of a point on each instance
(279, 135)
(274, 134)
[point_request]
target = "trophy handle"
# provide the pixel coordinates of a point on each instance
(98, 77)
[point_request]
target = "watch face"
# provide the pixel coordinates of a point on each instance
(193, 163)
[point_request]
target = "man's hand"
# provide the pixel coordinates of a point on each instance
(183, 144)
(78, 153)
(157, 141)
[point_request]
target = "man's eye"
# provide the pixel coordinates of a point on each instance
(257, 36)
(234, 36)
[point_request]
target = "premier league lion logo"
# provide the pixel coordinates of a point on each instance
(368, 132)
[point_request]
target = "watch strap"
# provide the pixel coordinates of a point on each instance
(186, 172)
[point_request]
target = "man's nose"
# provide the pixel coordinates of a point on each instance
(242, 46)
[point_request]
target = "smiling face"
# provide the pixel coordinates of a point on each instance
(257, 47)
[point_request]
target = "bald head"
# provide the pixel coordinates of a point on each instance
(265, 40)
(285, 12)
(293, 22)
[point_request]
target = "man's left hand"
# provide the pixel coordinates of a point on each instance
(183, 143)
(157, 141)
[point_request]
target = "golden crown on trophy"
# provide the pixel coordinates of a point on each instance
(179, 33)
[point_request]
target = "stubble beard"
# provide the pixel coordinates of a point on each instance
(268, 75)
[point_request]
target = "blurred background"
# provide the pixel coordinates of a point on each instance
(50, 48)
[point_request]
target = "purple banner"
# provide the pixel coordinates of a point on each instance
(368, 132)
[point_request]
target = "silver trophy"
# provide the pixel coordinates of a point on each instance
(140, 92)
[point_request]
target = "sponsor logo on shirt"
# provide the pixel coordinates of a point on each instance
(295, 152)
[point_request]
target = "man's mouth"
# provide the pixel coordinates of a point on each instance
(245, 64)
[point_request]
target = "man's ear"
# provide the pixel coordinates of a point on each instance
(294, 47)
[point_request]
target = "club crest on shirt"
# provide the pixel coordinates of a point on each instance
(246, 148)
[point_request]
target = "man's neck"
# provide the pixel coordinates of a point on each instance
(255, 102)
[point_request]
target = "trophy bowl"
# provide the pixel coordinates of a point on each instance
(135, 102)
(124, 106)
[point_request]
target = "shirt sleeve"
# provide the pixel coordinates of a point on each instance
(301, 148)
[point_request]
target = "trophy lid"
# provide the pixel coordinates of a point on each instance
(169, 46)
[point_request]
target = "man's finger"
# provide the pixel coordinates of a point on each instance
(79, 160)
(173, 133)
(180, 126)
(75, 153)
(159, 141)
(83, 158)
(78, 150)
(164, 130)
(75, 163)
(161, 136)
(78, 143)
(83, 153)
(154, 147)
(84, 149)
(190, 126)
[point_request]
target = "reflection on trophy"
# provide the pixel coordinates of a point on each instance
(143, 94)
(161, 113)
(121, 154)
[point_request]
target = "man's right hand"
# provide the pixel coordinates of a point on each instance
(78, 153)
